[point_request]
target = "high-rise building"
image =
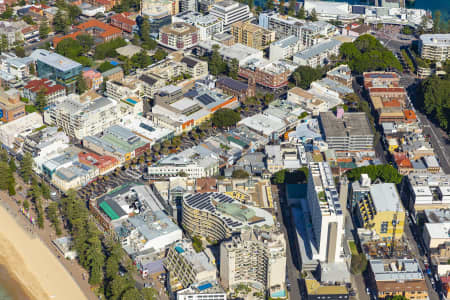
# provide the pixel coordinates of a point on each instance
(79, 118)
(349, 134)
(254, 256)
(251, 35)
(326, 213)
(230, 12)
(188, 5)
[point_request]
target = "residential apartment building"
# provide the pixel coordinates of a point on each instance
(217, 216)
(309, 33)
(93, 79)
(230, 12)
(316, 290)
(57, 67)
(251, 35)
(195, 67)
(154, 9)
(265, 73)
(11, 108)
(101, 32)
(12, 133)
(349, 134)
(435, 47)
(178, 36)
(326, 213)
(203, 291)
(381, 211)
(188, 5)
(398, 277)
(318, 55)
(187, 267)
(208, 25)
(124, 22)
(79, 118)
(285, 48)
(53, 92)
(256, 257)
(13, 32)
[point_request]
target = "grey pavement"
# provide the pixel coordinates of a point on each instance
(288, 229)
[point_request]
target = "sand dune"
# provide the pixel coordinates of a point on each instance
(33, 265)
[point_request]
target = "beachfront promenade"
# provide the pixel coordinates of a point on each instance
(46, 236)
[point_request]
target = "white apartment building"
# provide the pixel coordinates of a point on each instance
(326, 213)
(203, 291)
(310, 33)
(318, 55)
(196, 162)
(79, 119)
(258, 258)
(285, 48)
(425, 191)
(435, 46)
(13, 133)
(230, 12)
(208, 25)
(178, 36)
(187, 267)
(123, 89)
(44, 145)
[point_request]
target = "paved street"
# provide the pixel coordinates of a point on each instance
(439, 139)
(420, 258)
(292, 264)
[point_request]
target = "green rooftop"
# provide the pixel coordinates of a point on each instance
(109, 211)
(238, 211)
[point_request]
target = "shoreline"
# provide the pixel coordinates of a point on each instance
(30, 266)
(12, 285)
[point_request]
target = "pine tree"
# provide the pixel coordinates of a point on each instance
(26, 167)
(5, 175)
(292, 7)
(313, 15)
(59, 22)
(43, 30)
(269, 5)
(282, 7)
(4, 44)
(81, 85)
(301, 13)
(41, 100)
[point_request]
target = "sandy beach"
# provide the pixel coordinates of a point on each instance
(32, 264)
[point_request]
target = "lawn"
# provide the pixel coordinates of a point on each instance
(353, 249)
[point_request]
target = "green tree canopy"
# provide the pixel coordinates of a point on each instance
(44, 30)
(69, 47)
(366, 53)
(239, 173)
(305, 75)
(386, 173)
(225, 117)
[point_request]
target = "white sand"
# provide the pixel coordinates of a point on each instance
(32, 263)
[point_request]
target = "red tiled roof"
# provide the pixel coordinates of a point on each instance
(58, 39)
(410, 114)
(43, 84)
(108, 29)
(387, 90)
(100, 161)
(392, 103)
(123, 19)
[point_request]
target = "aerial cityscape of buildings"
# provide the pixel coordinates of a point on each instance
(213, 150)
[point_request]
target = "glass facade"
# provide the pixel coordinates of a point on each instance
(66, 78)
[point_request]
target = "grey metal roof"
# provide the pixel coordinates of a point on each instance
(55, 60)
(317, 49)
(385, 197)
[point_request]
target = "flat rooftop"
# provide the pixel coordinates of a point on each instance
(385, 197)
(442, 40)
(351, 124)
(55, 60)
